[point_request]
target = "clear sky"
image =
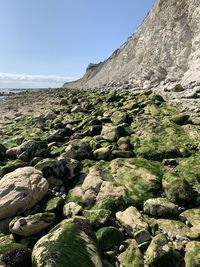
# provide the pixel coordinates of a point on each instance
(43, 43)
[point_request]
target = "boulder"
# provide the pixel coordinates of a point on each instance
(102, 153)
(131, 257)
(71, 243)
(58, 168)
(32, 224)
(111, 197)
(97, 217)
(178, 189)
(192, 252)
(110, 133)
(109, 237)
(71, 209)
(141, 177)
(21, 190)
(91, 186)
(78, 149)
(160, 207)
(160, 253)
(28, 150)
(118, 117)
(2, 151)
(12, 253)
(131, 220)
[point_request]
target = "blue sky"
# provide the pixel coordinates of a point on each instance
(46, 42)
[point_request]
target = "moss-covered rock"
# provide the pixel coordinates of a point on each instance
(12, 253)
(71, 242)
(141, 177)
(192, 252)
(28, 150)
(189, 169)
(54, 205)
(109, 237)
(180, 119)
(118, 117)
(97, 217)
(2, 151)
(173, 227)
(160, 207)
(78, 149)
(110, 133)
(178, 190)
(11, 166)
(58, 168)
(102, 153)
(71, 209)
(160, 254)
(131, 257)
(162, 139)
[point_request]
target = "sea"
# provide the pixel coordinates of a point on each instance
(6, 92)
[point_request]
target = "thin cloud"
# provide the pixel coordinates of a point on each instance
(10, 77)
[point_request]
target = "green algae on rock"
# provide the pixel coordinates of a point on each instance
(109, 237)
(132, 256)
(12, 253)
(160, 253)
(72, 242)
(192, 258)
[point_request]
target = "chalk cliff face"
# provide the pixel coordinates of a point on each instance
(164, 50)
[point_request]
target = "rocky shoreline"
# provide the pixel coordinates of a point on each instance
(99, 178)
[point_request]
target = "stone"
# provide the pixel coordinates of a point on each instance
(192, 251)
(178, 88)
(110, 133)
(54, 205)
(91, 186)
(173, 227)
(160, 207)
(131, 257)
(177, 189)
(111, 197)
(141, 177)
(131, 220)
(11, 166)
(122, 154)
(118, 117)
(58, 168)
(97, 217)
(72, 242)
(28, 150)
(160, 253)
(191, 215)
(32, 224)
(50, 115)
(109, 237)
(21, 190)
(142, 236)
(71, 209)
(2, 151)
(102, 153)
(78, 150)
(12, 253)
(180, 119)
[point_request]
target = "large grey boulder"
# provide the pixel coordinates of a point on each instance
(21, 190)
